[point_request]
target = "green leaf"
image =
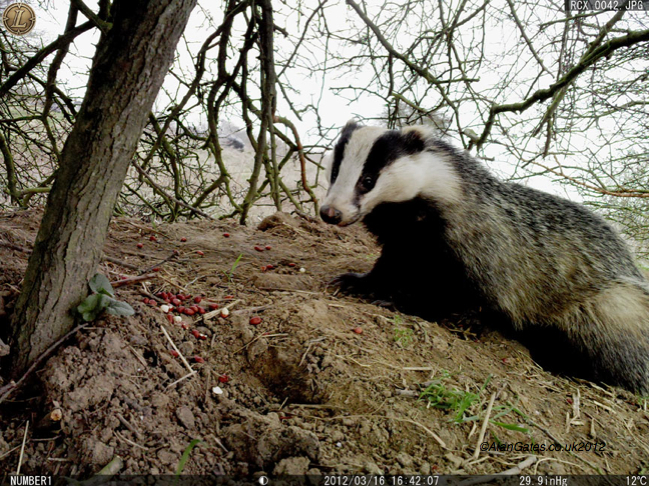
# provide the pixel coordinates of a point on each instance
(100, 284)
(119, 308)
(515, 427)
(93, 306)
(185, 457)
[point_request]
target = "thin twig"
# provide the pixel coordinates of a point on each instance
(173, 345)
(22, 449)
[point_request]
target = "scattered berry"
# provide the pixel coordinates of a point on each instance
(196, 333)
(197, 300)
(291, 264)
(198, 359)
(200, 253)
(140, 245)
(153, 303)
(224, 378)
(225, 312)
(229, 297)
(358, 330)
(156, 269)
(214, 306)
(183, 239)
(189, 312)
(269, 267)
(174, 353)
(201, 310)
(145, 300)
(255, 321)
(176, 252)
(153, 238)
(226, 235)
(259, 248)
(170, 318)
(268, 247)
(184, 326)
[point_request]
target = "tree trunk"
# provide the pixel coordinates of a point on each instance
(130, 64)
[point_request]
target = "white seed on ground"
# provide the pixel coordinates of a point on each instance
(164, 308)
(302, 270)
(225, 312)
(217, 390)
(178, 319)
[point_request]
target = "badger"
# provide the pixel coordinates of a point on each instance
(454, 238)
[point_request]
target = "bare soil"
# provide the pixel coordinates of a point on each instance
(326, 383)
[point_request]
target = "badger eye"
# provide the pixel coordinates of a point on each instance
(367, 182)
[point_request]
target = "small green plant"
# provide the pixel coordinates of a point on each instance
(102, 299)
(185, 457)
(234, 267)
(403, 336)
(440, 396)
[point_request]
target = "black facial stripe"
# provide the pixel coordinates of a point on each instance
(339, 150)
(386, 149)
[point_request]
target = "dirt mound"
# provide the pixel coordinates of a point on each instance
(323, 383)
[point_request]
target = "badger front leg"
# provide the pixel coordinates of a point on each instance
(376, 283)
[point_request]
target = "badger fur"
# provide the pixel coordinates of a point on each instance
(454, 238)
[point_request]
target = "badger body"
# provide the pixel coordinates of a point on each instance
(455, 238)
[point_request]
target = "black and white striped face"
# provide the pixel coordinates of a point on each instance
(372, 165)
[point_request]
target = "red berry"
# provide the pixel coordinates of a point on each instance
(291, 264)
(259, 248)
(122, 277)
(153, 238)
(201, 310)
(197, 300)
(226, 235)
(224, 378)
(184, 326)
(200, 253)
(255, 321)
(268, 247)
(174, 353)
(358, 330)
(180, 309)
(198, 359)
(228, 297)
(176, 252)
(176, 301)
(203, 337)
(170, 318)
(156, 269)
(214, 306)
(264, 268)
(145, 300)
(196, 333)
(269, 267)
(140, 245)
(152, 302)
(183, 239)
(189, 312)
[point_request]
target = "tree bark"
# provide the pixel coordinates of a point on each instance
(129, 67)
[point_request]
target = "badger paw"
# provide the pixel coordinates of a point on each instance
(357, 283)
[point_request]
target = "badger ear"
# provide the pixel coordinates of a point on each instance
(413, 141)
(349, 127)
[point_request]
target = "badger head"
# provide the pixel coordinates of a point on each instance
(371, 166)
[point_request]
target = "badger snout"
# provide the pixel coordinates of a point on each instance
(330, 215)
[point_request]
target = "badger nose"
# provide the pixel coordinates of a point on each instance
(330, 215)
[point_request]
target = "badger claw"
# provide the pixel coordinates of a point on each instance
(351, 282)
